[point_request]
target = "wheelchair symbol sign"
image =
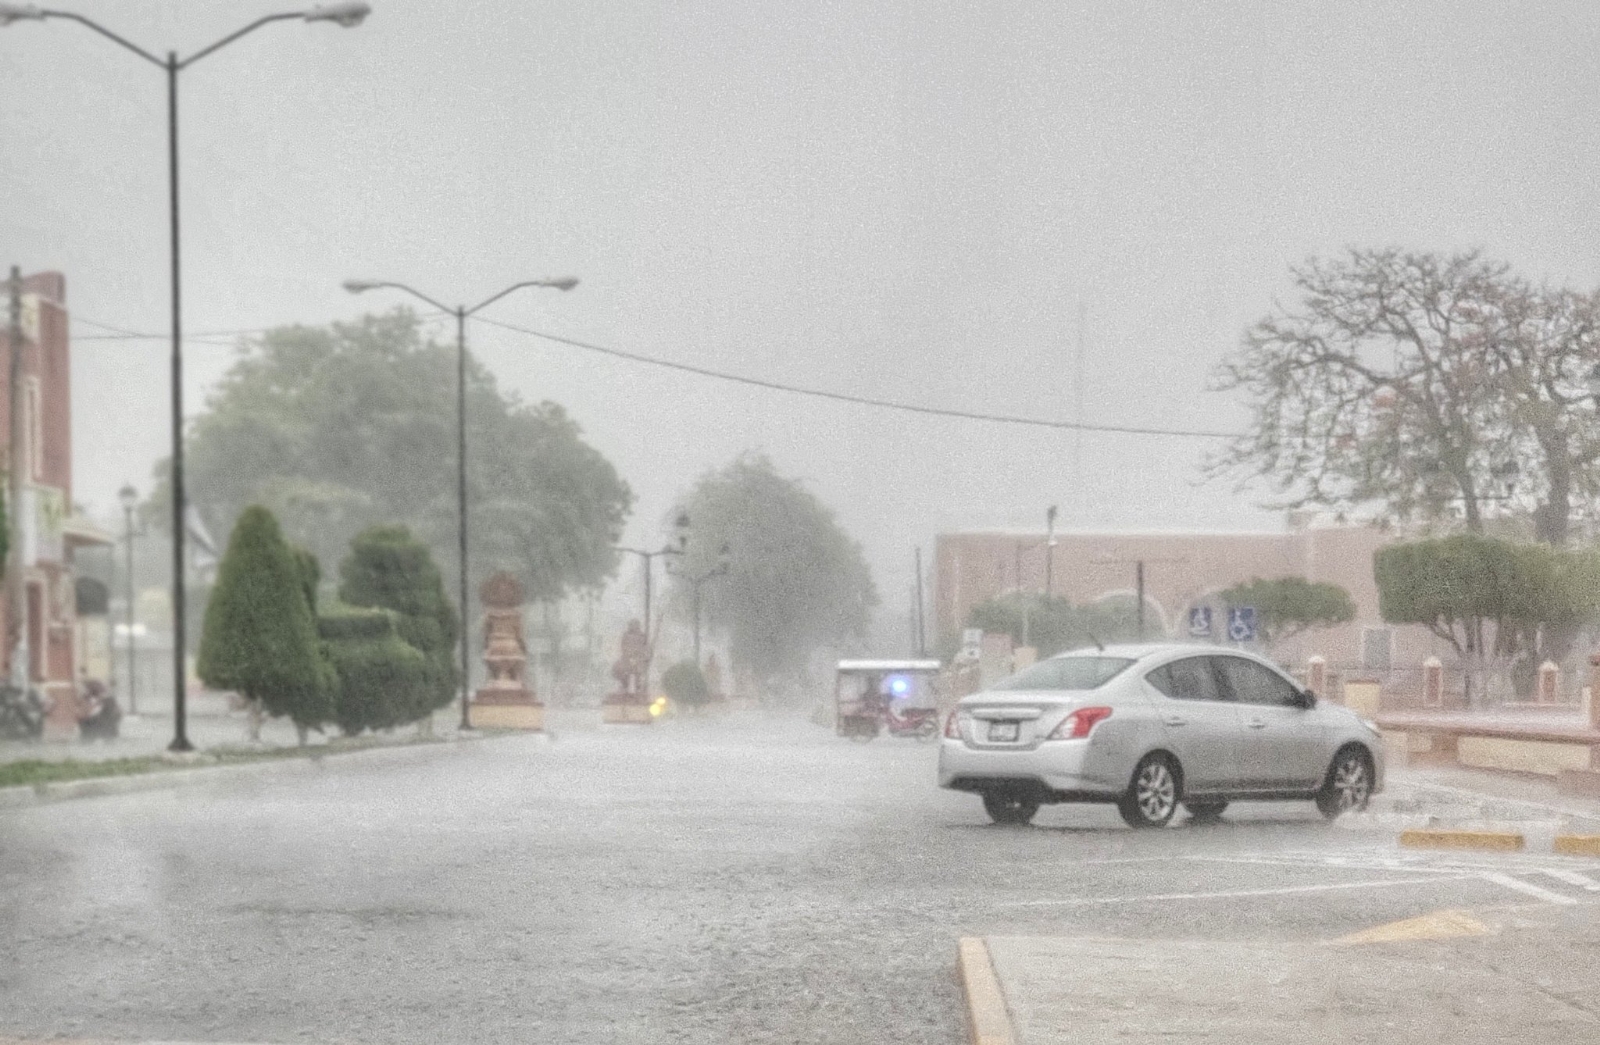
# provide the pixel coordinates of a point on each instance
(1200, 622)
(1242, 624)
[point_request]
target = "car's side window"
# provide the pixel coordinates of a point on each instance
(1252, 683)
(1188, 679)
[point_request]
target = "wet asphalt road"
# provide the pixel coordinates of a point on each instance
(734, 881)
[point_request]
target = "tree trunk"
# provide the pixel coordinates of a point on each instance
(303, 732)
(1551, 519)
(255, 711)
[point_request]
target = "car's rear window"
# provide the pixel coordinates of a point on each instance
(1067, 673)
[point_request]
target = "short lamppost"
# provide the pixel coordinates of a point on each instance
(679, 546)
(130, 500)
(345, 14)
(461, 312)
(695, 582)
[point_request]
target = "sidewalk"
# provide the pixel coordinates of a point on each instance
(1531, 981)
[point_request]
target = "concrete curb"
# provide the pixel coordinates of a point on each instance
(1578, 845)
(181, 775)
(1494, 841)
(988, 1019)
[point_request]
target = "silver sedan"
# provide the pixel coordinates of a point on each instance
(1152, 727)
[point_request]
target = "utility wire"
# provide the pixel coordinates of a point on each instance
(841, 397)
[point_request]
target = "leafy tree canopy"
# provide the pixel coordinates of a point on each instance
(1422, 387)
(796, 582)
(1488, 597)
(342, 427)
(1287, 606)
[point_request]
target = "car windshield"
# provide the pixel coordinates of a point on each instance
(1067, 673)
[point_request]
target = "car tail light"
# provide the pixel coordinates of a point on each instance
(1077, 725)
(952, 726)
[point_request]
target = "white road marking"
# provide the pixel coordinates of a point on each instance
(1347, 863)
(1288, 890)
(1561, 874)
(1517, 884)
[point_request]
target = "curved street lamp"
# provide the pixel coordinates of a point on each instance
(680, 531)
(344, 14)
(461, 312)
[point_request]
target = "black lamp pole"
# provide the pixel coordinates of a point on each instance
(345, 14)
(461, 313)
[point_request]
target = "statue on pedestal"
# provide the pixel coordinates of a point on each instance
(631, 701)
(505, 701)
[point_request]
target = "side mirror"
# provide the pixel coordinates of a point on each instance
(1308, 699)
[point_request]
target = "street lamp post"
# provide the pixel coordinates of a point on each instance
(345, 14)
(461, 312)
(681, 526)
(130, 500)
(695, 582)
(1049, 553)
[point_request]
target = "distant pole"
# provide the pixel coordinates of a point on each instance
(1019, 567)
(1049, 553)
(922, 628)
(1077, 391)
(1138, 577)
(133, 675)
(16, 608)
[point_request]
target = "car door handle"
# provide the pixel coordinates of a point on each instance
(1255, 723)
(1174, 720)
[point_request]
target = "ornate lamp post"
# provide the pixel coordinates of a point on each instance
(130, 500)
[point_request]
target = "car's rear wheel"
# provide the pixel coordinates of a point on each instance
(1153, 793)
(1205, 812)
(1348, 786)
(1005, 808)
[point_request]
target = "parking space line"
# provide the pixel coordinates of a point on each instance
(1527, 888)
(1582, 881)
(1231, 894)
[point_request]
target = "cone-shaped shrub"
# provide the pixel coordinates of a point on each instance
(260, 638)
(388, 568)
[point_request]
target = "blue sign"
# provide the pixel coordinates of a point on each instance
(1200, 622)
(1242, 624)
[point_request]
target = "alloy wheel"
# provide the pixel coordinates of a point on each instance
(1156, 791)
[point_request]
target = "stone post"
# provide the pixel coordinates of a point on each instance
(1549, 691)
(1432, 683)
(1317, 676)
(1593, 710)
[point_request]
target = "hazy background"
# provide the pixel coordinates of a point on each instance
(895, 198)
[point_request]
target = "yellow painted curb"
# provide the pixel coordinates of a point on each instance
(1578, 845)
(1499, 841)
(988, 1021)
(1440, 925)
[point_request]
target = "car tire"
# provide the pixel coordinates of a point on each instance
(1153, 793)
(1004, 808)
(1205, 812)
(1348, 785)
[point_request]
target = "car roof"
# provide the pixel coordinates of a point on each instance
(1149, 650)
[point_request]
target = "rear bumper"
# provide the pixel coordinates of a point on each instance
(1055, 771)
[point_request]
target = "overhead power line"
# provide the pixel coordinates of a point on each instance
(842, 397)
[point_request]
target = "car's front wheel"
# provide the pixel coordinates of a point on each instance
(1153, 793)
(1348, 786)
(1008, 808)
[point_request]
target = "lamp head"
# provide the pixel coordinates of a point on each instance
(128, 496)
(564, 283)
(348, 15)
(19, 13)
(360, 286)
(681, 528)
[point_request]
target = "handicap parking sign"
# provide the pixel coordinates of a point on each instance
(1200, 622)
(1242, 624)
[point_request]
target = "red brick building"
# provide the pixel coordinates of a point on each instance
(50, 532)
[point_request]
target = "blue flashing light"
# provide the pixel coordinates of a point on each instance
(899, 685)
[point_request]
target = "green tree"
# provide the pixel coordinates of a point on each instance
(1497, 602)
(1051, 625)
(343, 427)
(685, 684)
(1288, 606)
(260, 637)
(384, 681)
(796, 582)
(1424, 386)
(388, 568)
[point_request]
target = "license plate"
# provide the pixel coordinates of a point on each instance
(1004, 732)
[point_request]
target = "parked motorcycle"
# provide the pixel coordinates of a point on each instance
(22, 713)
(99, 716)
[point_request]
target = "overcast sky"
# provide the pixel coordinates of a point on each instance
(901, 198)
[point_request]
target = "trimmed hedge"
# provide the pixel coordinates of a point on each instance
(383, 681)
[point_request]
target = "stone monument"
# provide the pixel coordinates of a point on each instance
(505, 701)
(631, 700)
